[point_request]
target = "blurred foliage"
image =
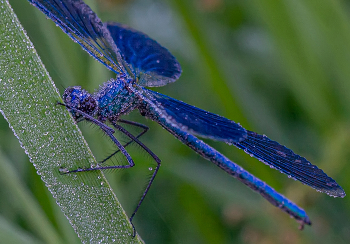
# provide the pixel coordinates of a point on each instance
(279, 68)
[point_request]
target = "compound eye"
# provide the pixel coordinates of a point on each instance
(89, 105)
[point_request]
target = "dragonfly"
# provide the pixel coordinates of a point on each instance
(138, 62)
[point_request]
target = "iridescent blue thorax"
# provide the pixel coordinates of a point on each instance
(112, 100)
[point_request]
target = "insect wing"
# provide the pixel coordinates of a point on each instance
(161, 113)
(197, 121)
(79, 22)
(208, 125)
(285, 160)
(151, 63)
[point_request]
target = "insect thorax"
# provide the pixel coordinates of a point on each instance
(114, 99)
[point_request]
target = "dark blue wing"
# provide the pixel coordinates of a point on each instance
(151, 63)
(286, 161)
(79, 22)
(197, 121)
(205, 124)
(152, 108)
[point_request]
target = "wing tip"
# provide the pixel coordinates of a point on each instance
(338, 191)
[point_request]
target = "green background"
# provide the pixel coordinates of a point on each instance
(279, 68)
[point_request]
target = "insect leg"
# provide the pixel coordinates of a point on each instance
(155, 157)
(144, 127)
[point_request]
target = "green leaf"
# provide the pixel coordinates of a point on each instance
(51, 139)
